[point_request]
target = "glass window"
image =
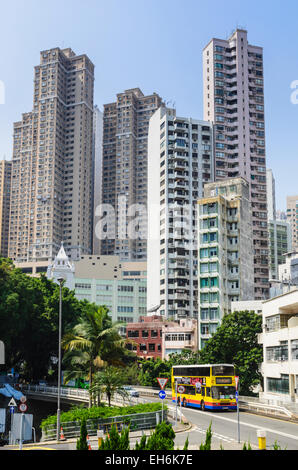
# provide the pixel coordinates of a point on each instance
(204, 268)
(204, 314)
(213, 252)
(218, 371)
(294, 350)
(213, 282)
(204, 253)
(278, 385)
(223, 393)
(205, 298)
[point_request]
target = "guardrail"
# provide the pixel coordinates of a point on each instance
(76, 393)
(136, 422)
(245, 403)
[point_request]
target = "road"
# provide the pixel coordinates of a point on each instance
(224, 429)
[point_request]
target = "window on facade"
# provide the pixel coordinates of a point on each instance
(204, 314)
(133, 334)
(294, 350)
(278, 385)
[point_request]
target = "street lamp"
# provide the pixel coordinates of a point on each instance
(60, 280)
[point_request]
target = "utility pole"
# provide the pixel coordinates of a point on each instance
(60, 280)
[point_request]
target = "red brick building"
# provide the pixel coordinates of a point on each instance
(147, 334)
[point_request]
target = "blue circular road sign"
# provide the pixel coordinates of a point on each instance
(162, 394)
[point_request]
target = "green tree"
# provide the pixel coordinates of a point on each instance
(30, 305)
(115, 440)
(163, 438)
(110, 381)
(236, 342)
(207, 444)
(94, 342)
(151, 369)
(82, 443)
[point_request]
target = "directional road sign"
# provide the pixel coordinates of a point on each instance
(162, 394)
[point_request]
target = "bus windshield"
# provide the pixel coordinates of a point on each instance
(222, 393)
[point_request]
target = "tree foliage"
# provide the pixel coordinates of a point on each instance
(163, 438)
(29, 310)
(82, 443)
(236, 342)
(115, 440)
(109, 381)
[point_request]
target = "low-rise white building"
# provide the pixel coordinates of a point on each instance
(280, 348)
(247, 305)
(180, 336)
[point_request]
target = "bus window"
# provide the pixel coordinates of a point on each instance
(220, 370)
(208, 392)
(203, 391)
(222, 393)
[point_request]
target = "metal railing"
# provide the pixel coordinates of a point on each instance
(75, 393)
(136, 422)
(246, 403)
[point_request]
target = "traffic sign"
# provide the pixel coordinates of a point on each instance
(237, 381)
(237, 396)
(11, 410)
(23, 407)
(181, 389)
(23, 399)
(12, 403)
(162, 394)
(162, 382)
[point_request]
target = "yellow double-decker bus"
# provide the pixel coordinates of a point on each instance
(206, 386)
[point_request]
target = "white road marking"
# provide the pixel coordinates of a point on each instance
(279, 433)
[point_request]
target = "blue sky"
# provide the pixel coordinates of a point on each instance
(155, 45)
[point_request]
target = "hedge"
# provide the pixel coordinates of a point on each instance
(79, 413)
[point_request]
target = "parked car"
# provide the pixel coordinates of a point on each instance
(131, 391)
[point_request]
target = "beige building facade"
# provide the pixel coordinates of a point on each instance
(233, 75)
(52, 163)
(5, 184)
(124, 175)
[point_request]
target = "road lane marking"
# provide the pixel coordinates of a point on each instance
(254, 426)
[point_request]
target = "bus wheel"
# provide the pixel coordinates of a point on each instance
(203, 408)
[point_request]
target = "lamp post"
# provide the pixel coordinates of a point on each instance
(60, 280)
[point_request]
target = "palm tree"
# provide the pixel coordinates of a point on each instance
(92, 344)
(109, 381)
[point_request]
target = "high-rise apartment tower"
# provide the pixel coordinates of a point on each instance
(180, 162)
(124, 174)
(52, 162)
(5, 184)
(234, 100)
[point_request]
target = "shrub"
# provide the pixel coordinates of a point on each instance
(82, 441)
(77, 414)
(162, 439)
(116, 441)
(207, 444)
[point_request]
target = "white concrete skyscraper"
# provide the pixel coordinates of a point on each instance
(180, 161)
